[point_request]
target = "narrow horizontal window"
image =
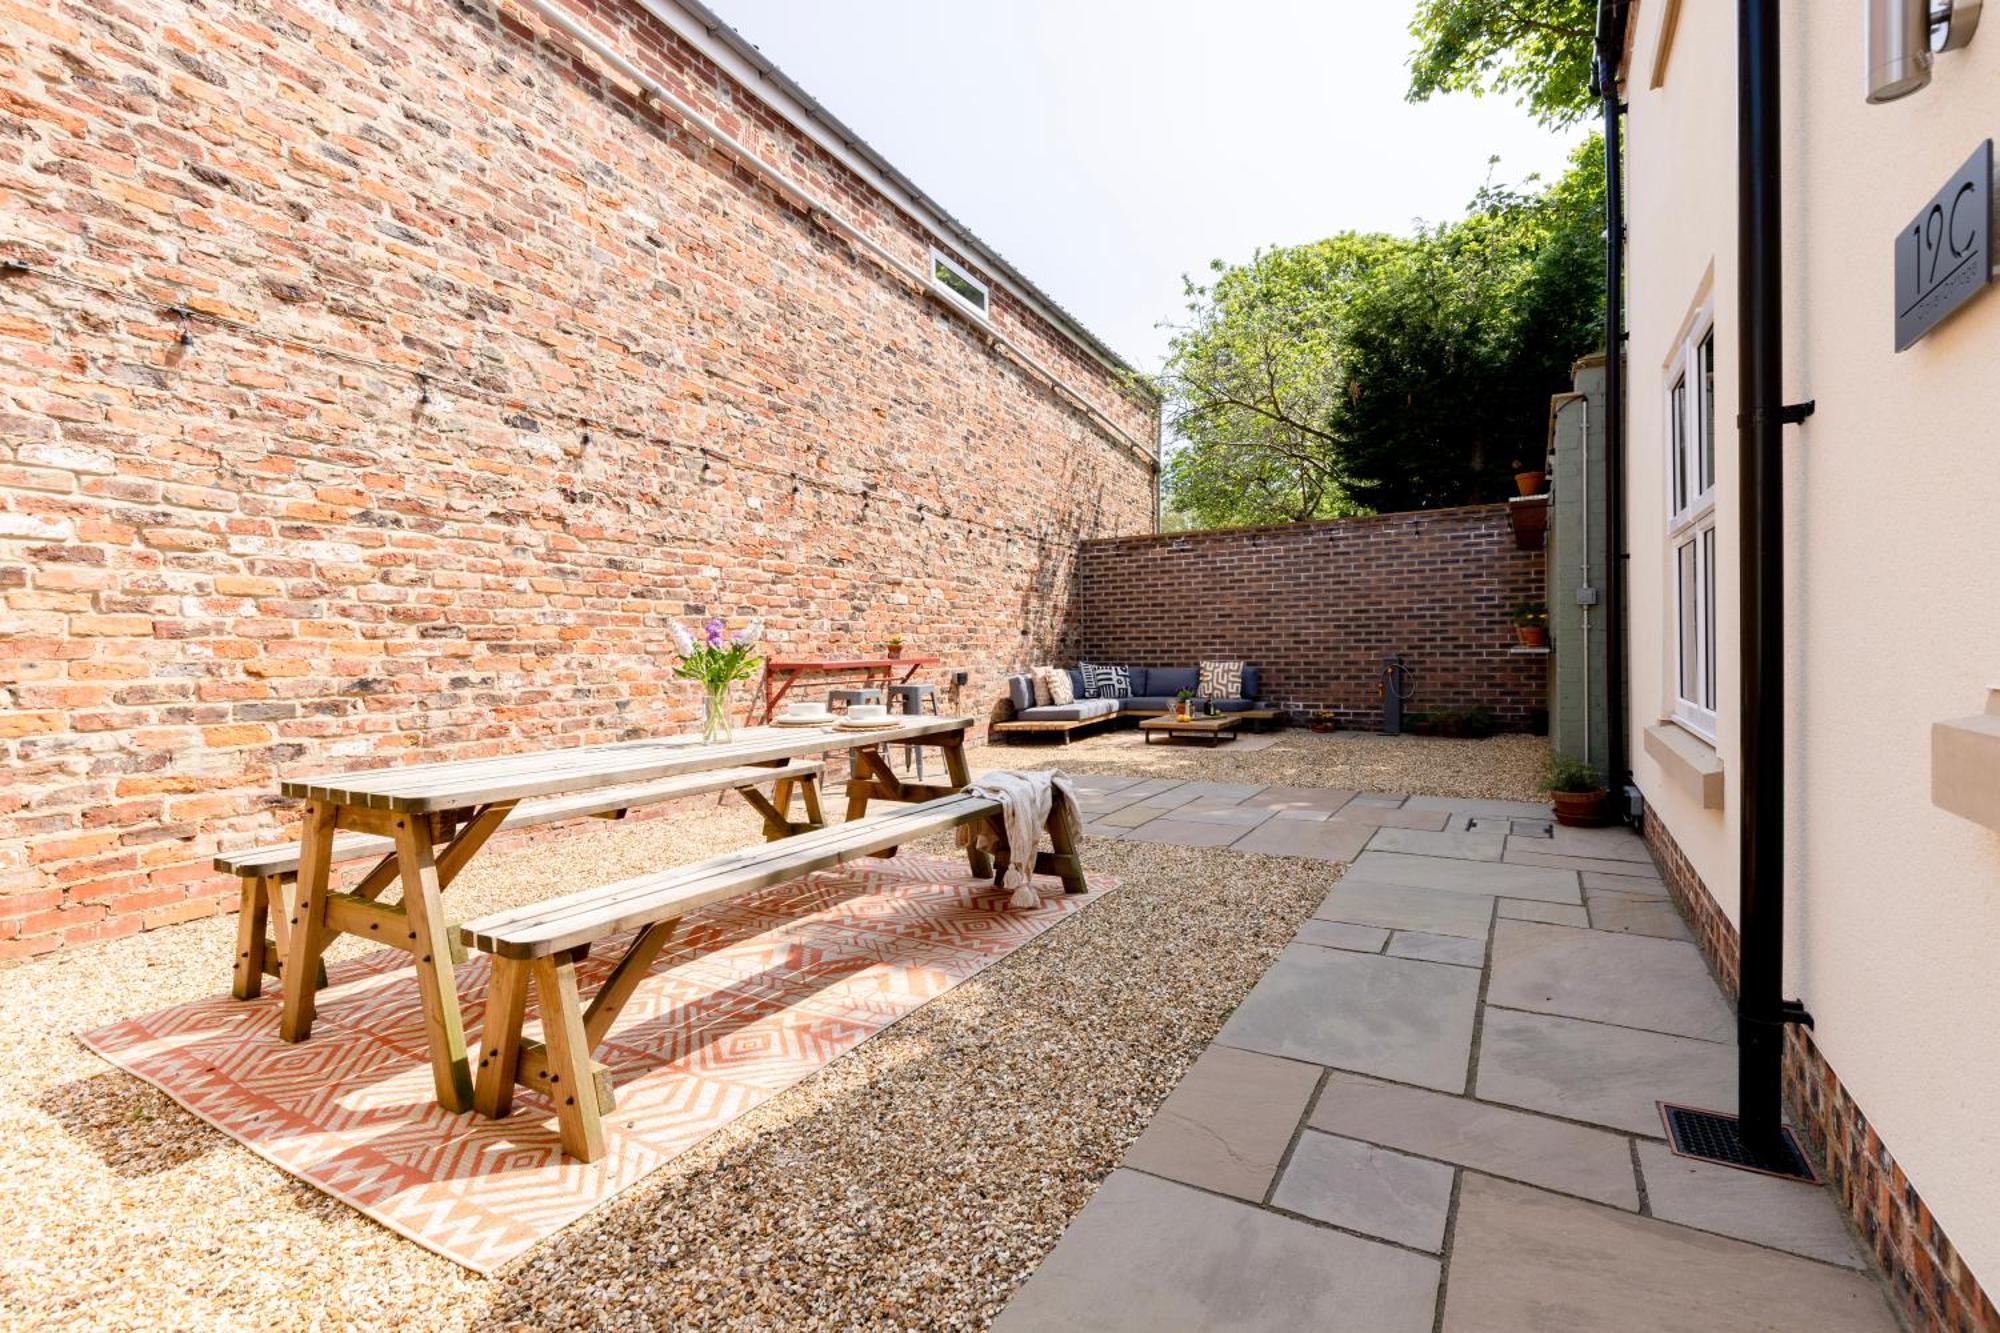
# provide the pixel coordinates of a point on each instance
(956, 283)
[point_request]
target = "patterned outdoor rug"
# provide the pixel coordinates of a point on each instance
(751, 997)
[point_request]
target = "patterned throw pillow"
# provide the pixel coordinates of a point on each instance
(1113, 682)
(1220, 680)
(1040, 676)
(1060, 691)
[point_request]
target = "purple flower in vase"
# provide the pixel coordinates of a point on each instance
(712, 632)
(683, 641)
(748, 635)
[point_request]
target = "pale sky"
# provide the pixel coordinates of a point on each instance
(1106, 147)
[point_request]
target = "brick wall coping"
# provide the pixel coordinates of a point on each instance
(1306, 525)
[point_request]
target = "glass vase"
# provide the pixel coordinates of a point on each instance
(715, 727)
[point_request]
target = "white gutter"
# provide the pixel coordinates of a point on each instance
(748, 158)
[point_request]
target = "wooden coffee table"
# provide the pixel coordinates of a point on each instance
(1212, 730)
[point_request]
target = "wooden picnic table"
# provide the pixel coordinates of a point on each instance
(780, 674)
(439, 815)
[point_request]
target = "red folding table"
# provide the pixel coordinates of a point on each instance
(781, 674)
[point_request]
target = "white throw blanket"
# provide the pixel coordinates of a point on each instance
(1025, 802)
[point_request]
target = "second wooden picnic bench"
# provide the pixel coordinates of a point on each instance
(268, 872)
(541, 944)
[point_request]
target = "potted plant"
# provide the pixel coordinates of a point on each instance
(1184, 707)
(1322, 720)
(1531, 624)
(1576, 791)
(717, 660)
(894, 645)
(1529, 482)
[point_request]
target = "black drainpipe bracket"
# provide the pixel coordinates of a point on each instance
(1791, 414)
(1789, 1011)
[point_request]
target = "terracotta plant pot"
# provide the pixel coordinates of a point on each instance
(1580, 809)
(1532, 636)
(1530, 483)
(1321, 727)
(893, 650)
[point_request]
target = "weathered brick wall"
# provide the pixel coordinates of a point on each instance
(653, 389)
(1319, 605)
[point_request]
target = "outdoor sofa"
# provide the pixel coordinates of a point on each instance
(1155, 690)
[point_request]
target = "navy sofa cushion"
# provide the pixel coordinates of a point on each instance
(1170, 680)
(1021, 692)
(1139, 685)
(1076, 690)
(1253, 682)
(1081, 710)
(1147, 703)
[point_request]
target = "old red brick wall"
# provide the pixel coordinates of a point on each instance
(651, 388)
(1319, 605)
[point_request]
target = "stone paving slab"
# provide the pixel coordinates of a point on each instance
(1206, 812)
(1324, 800)
(1184, 833)
(1368, 1189)
(1469, 846)
(1631, 980)
(1616, 843)
(1151, 1256)
(1437, 948)
(1385, 799)
(1786, 1215)
(1388, 816)
(1528, 1260)
(1465, 805)
(1362, 903)
(1393, 1017)
(1131, 816)
(1635, 916)
(1339, 935)
(1597, 1073)
(1527, 856)
(1593, 1163)
(1492, 878)
(1336, 839)
(1632, 884)
(1227, 1125)
(1556, 914)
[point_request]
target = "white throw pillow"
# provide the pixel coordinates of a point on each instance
(1220, 680)
(1056, 681)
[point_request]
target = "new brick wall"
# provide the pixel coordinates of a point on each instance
(652, 388)
(1319, 605)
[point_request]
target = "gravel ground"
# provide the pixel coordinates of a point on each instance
(913, 1183)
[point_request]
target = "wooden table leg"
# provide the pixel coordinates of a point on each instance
(250, 917)
(860, 781)
(305, 923)
(500, 1044)
(578, 1122)
(423, 906)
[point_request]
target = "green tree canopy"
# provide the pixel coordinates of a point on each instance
(1376, 372)
(1538, 49)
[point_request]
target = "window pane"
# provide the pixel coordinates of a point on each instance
(1708, 619)
(1688, 586)
(1705, 374)
(1678, 426)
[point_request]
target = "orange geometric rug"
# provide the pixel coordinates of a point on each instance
(753, 996)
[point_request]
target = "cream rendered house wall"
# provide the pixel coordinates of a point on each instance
(1894, 567)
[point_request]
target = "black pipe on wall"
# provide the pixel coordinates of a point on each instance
(1612, 16)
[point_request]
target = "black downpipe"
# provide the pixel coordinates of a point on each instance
(1612, 16)
(1761, 1011)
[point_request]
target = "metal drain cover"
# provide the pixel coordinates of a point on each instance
(1712, 1136)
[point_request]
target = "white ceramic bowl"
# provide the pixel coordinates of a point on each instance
(802, 712)
(866, 712)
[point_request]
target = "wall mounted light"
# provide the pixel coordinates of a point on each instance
(1904, 35)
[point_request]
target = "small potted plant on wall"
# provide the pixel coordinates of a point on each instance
(1322, 720)
(1531, 624)
(894, 645)
(1184, 706)
(1576, 791)
(1529, 481)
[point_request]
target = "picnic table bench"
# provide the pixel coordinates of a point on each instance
(429, 820)
(541, 944)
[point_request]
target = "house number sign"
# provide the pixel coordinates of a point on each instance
(1944, 255)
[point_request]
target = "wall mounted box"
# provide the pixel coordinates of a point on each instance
(1965, 764)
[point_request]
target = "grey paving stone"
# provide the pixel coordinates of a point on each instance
(1499, 1140)
(1216, 792)
(1380, 799)
(1783, 1214)
(1150, 1256)
(1335, 839)
(1463, 805)
(1393, 1017)
(1437, 949)
(1632, 884)
(1526, 1259)
(1532, 828)
(1402, 908)
(1204, 812)
(1131, 816)
(1556, 914)
(1530, 852)
(1340, 935)
(1631, 980)
(1184, 833)
(1322, 800)
(1631, 915)
(1596, 1073)
(1389, 816)
(1177, 795)
(1099, 783)
(1483, 877)
(1424, 842)
(1620, 844)
(1097, 830)
(1371, 1190)
(1320, 816)
(1228, 1123)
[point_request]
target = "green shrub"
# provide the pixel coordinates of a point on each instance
(1569, 774)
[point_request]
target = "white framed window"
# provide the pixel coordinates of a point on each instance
(1691, 542)
(950, 278)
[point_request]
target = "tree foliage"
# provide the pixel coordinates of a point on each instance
(1539, 50)
(1376, 372)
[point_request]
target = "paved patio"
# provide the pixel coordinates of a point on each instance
(1438, 1109)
